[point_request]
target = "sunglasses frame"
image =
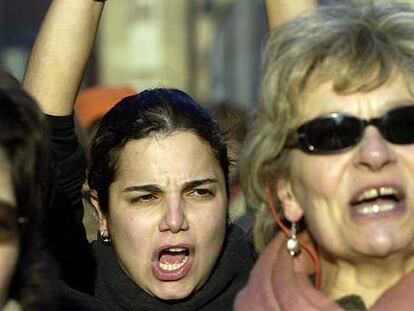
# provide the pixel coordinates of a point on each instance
(298, 138)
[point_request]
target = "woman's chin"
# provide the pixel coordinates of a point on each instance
(172, 291)
(383, 242)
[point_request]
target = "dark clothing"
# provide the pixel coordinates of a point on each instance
(69, 299)
(352, 302)
(67, 236)
(81, 264)
(65, 232)
(119, 292)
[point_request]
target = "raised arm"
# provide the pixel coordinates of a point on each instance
(280, 11)
(61, 52)
(53, 75)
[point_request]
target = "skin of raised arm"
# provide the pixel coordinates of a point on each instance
(60, 53)
(281, 11)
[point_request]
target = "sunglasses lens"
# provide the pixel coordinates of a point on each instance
(331, 134)
(398, 125)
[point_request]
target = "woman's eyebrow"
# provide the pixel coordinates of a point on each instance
(199, 182)
(156, 189)
(147, 188)
(400, 101)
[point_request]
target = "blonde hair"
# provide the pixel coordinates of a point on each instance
(356, 44)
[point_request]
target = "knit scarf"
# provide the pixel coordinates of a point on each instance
(281, 283)
(118, 292)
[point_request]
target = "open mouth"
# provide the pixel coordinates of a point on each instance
(375, 201)
(173, 258)
(172, 262)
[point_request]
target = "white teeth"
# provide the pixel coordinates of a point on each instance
(374, 193)
(368, 195)
(388, 191)
(176, 249)
(175, 266)
(374, 209)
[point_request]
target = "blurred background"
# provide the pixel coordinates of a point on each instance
(210, 48)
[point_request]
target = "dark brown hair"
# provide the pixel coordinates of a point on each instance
(24, 141)
(160, 110)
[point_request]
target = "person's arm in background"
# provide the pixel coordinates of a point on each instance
(60, 54)
(53, 76)
(281, 11)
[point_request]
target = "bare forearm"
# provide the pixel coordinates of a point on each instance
(280, 11)
(61, 52)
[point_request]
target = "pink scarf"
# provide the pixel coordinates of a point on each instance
(279, 282)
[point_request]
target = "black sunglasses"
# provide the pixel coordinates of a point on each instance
(337, 132)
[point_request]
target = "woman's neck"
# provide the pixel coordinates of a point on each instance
(368, 279)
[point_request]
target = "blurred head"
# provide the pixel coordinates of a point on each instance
(232, 119)
(92, 103)
(354, 59)
(23, 154)
(9, 247)
(159, 180)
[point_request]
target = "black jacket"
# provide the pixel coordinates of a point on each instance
(65, 234)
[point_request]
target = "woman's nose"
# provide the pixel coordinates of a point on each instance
(374, 151)
(174, 218)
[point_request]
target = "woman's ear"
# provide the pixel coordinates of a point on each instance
(103, 222)
(290, 206)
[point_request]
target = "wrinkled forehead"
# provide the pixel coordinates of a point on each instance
(348, 84)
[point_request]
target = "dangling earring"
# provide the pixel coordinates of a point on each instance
(293, 245)
(106, 240)
(311, 252)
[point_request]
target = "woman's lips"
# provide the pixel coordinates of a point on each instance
(377, 208)
(379, 201)
(172, 262)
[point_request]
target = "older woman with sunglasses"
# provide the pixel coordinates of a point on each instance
(331, 160)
